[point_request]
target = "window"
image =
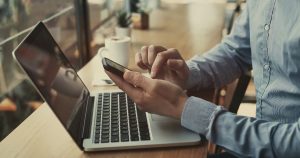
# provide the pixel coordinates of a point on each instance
(18, 98)
(102, 21)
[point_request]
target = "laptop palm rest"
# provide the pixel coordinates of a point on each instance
(160, 118)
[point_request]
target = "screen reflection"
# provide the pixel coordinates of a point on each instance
(54, 77)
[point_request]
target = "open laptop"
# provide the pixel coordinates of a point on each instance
(98, 121)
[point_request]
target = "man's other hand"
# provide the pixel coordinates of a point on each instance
(162, 63)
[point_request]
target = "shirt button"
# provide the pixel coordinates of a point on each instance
(267, 27)
(267, 67)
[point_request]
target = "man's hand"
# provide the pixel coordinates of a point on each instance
(152, 95)
(166, 64)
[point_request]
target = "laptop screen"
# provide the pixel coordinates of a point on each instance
(54, 77)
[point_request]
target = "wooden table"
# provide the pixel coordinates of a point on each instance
(189, 28)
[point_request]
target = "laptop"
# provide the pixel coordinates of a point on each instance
(95, 120)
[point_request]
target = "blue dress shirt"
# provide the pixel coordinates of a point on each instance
(265, 38)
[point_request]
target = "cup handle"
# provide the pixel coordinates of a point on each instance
(101, 50)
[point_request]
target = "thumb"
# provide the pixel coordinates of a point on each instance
(136, 79)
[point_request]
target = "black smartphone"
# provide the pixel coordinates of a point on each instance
(113, 67)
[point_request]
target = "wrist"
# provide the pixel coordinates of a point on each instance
(180, 105)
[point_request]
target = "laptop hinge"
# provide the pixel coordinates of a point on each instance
(88, 118)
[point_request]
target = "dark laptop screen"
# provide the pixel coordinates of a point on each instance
(41, 58)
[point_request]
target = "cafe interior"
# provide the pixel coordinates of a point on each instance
(28, 128)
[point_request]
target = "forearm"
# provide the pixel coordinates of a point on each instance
(242, 136)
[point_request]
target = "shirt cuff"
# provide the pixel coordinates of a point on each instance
(198, 114)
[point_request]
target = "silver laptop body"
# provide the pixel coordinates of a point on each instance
(97, 121)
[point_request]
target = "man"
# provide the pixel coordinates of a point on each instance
(266, 37)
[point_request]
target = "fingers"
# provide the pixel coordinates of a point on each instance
(153, 51)
(137, 79)
(144, 54)
(134, 84)
(145, 58)
(176, 64)
(152, 90)
(162, 58)
(133, 92)
(139, 62)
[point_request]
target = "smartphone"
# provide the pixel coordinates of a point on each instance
(113, 67)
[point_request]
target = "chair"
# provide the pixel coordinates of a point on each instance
(232, 95)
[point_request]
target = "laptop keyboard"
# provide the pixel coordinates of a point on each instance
(118, 120)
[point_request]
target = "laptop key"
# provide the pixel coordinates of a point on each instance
(125, 132)
(105, 135)
(133, 126)
(124, 128)
(104, 140)
(114, 121)
(125, 138)
(134, 138)
(115, 129)
(105, 124)
(105, 116)
(115, 139)
(145, 137)
(115, 133)
(134, 131)
(105, 128)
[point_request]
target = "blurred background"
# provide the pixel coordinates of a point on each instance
(18, 99)
(79, 27)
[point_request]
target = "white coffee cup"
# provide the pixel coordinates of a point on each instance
(116, 49)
